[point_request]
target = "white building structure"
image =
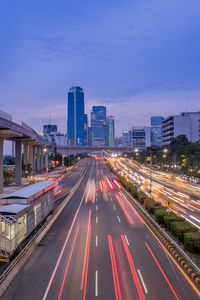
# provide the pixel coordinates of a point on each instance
(141, 137)
(187, 123)
(21, 212)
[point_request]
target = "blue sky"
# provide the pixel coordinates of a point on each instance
(139, 58)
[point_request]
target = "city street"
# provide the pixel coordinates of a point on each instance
(100, 247)
(164, 187)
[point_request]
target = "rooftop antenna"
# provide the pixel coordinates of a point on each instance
(49, 119)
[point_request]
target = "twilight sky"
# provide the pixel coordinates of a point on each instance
(137, 57)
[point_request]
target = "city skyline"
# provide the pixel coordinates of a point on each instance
(112, 53)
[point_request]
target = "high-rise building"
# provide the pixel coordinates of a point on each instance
(110, 131)
(56, 138)
(140, 137)
(126, 138)
(118, 141)
(75, 123)
(85, 129)
(186, 123)
(98, 125)
(156, 131)
(48, 128)
(89, 136)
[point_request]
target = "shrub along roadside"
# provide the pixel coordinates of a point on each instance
(181, 229)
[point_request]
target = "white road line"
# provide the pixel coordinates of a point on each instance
(118, 219)
(114, 207)
(144, 286)
(64, 246)
(111, 199)
(96, 241)
(96, 283)
(191, 216)
(96, 219)
(96, 199)
(96, 207)
(126, 240)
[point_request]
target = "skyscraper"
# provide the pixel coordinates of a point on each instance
(110, 135)
(156, 131)
(48, 128)
(98, 125)
(85, 129)
(75, 123)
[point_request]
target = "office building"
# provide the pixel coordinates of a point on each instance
(187, 124)
(110, 131)
(126, 138)
(98, 125)
(85, 129)
(89, 135)
(140, 137)
(118, 141)
(75, 123)
(56, 138)
(156, 131)
(48, 128)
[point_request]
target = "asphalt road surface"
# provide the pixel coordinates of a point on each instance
(100, 248)
(184, 196)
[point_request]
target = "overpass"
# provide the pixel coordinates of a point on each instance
(35, 148)
(67, 150)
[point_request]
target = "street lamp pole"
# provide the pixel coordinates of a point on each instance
(150, 172)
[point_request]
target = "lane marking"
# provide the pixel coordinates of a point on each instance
(96, 283)
(65, 243)
(118, 219)
(127, 240)
(86, 270)
(132, 208)
(114, 207)
(180, 269)
(96, 219)
(67, 267)
(142, 280)
(190, 221)
(133, 270)
(96, 240)
(111, 199)
(96, 199)
(161, 270)
(86, 250)
(114, 269)
(96, 207)
(125, 210)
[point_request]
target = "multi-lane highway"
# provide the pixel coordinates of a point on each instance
(100, 248)
(164, 187)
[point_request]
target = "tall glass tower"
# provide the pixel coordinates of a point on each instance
(98, 125)
(75, 123)
(156, 131)
(110, 136)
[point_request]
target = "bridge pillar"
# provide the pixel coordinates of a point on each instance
(34, 160)
(38, 158)
(31, 156)
(46, 160)
(25, 155)
(42, 158)
(18, 162)
(1, 164)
